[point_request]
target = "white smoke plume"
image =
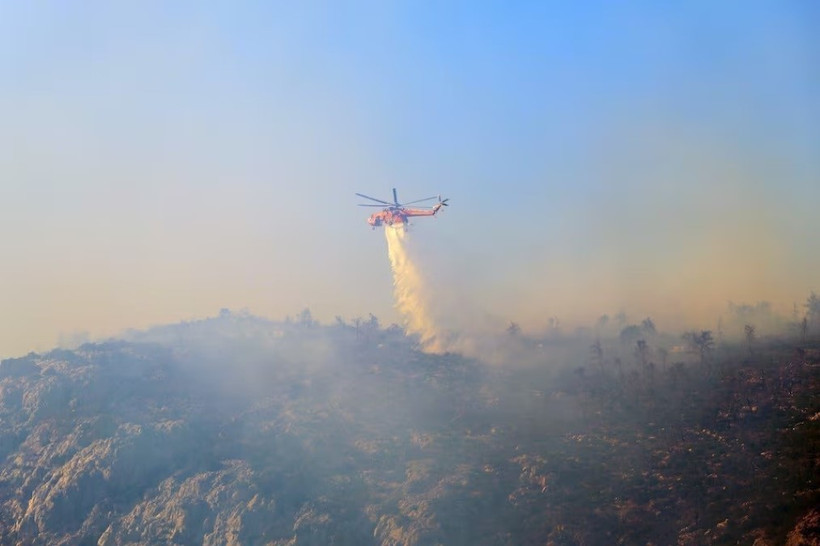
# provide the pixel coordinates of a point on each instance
(408, 289)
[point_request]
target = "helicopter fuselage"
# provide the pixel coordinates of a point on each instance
(397, 213)
(398, 216)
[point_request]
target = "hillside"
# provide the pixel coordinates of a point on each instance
(238, 430)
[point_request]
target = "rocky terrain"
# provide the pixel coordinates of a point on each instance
(238, 430)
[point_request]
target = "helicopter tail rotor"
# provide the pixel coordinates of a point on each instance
(441, 203)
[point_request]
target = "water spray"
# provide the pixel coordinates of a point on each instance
(409, 292)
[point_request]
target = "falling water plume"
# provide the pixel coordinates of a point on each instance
(408, 289)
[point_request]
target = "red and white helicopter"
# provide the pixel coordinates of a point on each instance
(396, 214)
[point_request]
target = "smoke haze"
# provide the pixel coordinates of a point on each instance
(160, 166)
(610, 337)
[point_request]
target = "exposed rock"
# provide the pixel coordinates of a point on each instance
(239, 431)
(807, 530)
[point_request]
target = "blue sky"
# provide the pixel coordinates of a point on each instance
(160, 161)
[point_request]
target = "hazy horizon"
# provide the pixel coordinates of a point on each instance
(160, 162)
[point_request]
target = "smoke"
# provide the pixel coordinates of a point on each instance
(408, 288)
(443, 329)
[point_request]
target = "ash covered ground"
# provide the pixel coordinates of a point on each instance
(240, 430)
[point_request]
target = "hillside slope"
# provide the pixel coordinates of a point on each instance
(237, 430)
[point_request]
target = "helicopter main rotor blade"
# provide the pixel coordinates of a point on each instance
(373, 199)
(420, 200)
(371, 205)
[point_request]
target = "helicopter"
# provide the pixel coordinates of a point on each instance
(396, 214)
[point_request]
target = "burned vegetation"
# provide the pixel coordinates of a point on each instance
(238, 430)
